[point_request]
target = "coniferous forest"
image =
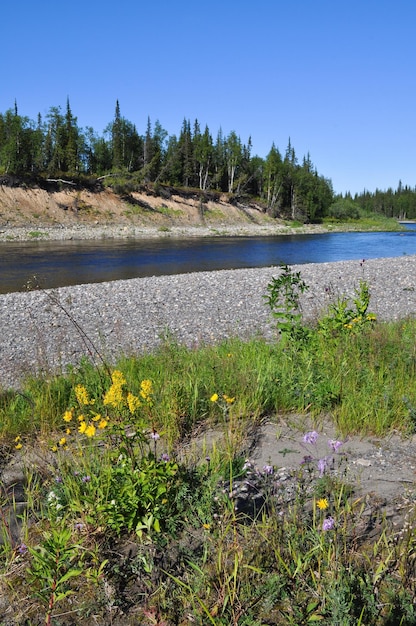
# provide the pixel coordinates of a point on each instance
(54, 146)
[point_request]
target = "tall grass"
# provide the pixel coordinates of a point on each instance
(365, 380)
(117, 526)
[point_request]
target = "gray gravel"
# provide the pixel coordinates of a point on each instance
(132, 316)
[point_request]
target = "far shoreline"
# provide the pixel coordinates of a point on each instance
(68, 232)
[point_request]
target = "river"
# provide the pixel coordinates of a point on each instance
(61, 263)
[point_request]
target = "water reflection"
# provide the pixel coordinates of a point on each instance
(75, 262)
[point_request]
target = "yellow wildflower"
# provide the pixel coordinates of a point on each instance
(68, 415)
(54, 448)
(133, 402)
(114, 396)
(214, 397)
(118, 378)
(62, 441)
(146, 389)
(68, 431)
(82, 427)
(82, 395)
(228, 399)
(90, 430)
(322, 504)
(96, 417)
(18, 442)
(102, 424)
(81, 418)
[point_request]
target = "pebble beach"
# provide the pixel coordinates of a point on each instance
(45, 331)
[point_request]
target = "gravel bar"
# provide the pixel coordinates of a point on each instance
(45, 331)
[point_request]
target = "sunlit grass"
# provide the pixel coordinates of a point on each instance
(365, 380)
(106, 439)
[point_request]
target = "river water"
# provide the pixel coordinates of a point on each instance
(60, 263)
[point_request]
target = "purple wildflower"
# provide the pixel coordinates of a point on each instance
(79, 526)
(307, 460)
(58, 479)
(155, 435)
(328, 523)
(86, 479)
(22, 549)
(311, 437)
(322, 464)
(165, 457)
(334, 444)
(268, 469)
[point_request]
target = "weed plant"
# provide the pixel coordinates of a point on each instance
(122, 527)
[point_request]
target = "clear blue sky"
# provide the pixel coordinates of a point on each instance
(336, 76)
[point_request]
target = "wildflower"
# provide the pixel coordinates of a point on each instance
(165, 457)
(86, 479)
(155, 435)
(328, 523)
(133, 402)
(114, 396)
(306, 460)
(311, 437)
(68, 415)
(214, 397)
(54, 448)
(90, 430)
(103, 423)
(82, 396)
(206, 526)
(18, 442)
(146, 390)
(81, 418)
(82, 427)
(322, 504)
(79, 526)
(334, 444)
(22, 549)
(68, 431)
(268, 469)
(96, 417)
(322, 464)
(58, 479)
(62, 441)
(228, 399)
(51, 496)
(118, 379)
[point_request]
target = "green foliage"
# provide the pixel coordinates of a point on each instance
(192, 553)
(344, 316)
(55, 562)
(344, 209)
(283, 298)
(192, 160)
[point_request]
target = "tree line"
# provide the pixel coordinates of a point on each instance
(55, 146)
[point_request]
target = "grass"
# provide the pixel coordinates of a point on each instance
(122, 526)
(366, 380)
(367, 222)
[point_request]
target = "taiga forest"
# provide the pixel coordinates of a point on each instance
(54, 146)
